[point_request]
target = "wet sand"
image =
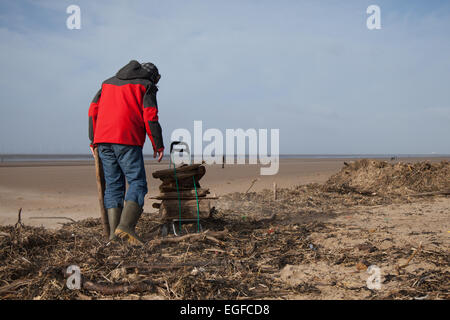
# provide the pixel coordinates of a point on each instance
(68, 189)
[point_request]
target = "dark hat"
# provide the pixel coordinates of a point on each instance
(152, 69)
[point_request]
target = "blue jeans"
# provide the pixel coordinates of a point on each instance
(119, 162)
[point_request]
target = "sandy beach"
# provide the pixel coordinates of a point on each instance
(68, 189)
(332, 225)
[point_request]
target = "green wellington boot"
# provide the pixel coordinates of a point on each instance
(130, 216)
(114, 219)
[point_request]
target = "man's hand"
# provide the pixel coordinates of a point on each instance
(92, 150)
(160, 153)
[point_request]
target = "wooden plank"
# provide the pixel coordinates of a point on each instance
(183, 183)
(198, 173)
(101, 191)
(169, 209)
(164, 188)
(169, 172)
(183, 193)
(183, 198)
(433, 193)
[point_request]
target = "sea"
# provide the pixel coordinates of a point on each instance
(8, 158)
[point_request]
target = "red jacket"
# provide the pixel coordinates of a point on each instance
(125, 109)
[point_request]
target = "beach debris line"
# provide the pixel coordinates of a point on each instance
(234, 258)
(375, 177)
(190, 267)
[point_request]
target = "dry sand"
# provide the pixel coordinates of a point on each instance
(383, 236)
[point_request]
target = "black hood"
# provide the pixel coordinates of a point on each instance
(134, 70)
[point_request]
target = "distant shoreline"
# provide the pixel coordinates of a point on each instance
(21, 160)
(88, 157)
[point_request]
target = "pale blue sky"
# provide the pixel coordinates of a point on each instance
(310, 68)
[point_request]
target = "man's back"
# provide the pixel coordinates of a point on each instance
(120, 113)
(125, 109)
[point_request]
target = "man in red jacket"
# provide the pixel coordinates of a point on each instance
(121, 114)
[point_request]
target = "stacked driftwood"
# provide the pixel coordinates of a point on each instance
(186, 175)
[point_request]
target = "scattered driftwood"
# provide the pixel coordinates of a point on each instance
(117, 289)
(428, 194)
(67, 218)
(272, 217)
(143, 269)
(149, 268)
(399, 267)
(251, 185)
(13, 286)
(212, 236)
(19, 223)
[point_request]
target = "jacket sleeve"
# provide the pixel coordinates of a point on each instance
(152, 125)
(93, 111)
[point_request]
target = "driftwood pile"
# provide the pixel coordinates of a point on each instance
(185, 197)
(374, 177)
